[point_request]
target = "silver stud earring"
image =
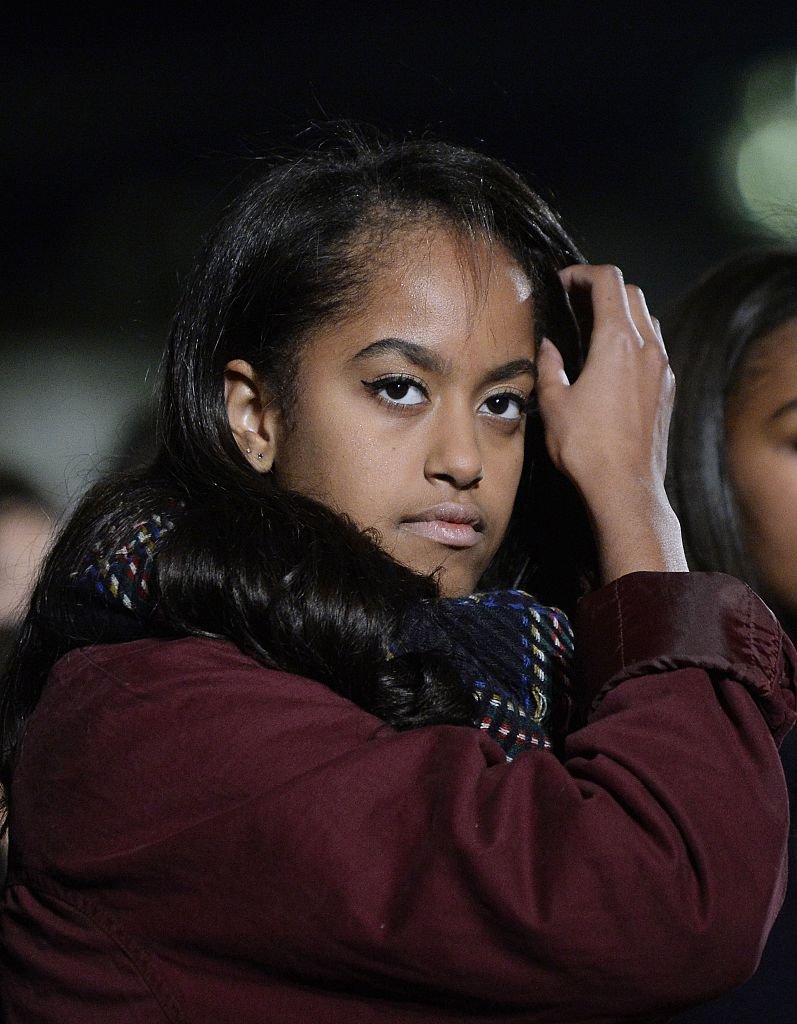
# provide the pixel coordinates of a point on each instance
(260, 456)
(248, 451)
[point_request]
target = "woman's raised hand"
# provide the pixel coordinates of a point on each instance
(608, 430)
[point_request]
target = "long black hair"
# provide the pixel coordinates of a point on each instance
(281, 576)
(712, 333)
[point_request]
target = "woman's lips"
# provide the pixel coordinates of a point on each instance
(456, 526)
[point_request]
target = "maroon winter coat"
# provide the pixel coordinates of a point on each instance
(197, 838)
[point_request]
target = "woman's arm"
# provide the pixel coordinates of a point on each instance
(608, 430)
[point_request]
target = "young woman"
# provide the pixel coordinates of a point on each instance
(733, 337)
(287, 739)
(733, 477)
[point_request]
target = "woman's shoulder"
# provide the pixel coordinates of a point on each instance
(152, 703)
(149, 736)
(165, 665)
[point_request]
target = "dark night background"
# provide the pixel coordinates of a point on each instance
(123, 134)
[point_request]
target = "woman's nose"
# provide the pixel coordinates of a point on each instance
(454, 453)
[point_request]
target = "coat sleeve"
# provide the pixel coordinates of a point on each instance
(643, 872)
(638, 874)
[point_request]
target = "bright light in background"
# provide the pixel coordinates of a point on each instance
(766, 173)
(761, 157)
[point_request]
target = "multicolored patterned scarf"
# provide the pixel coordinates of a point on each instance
(124, 578)
(514, 653)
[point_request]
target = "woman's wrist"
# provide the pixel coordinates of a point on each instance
(637, 530)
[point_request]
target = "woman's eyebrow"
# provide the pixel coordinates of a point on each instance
(416, 354)
(790, 406)
(421, 357)
(512, 369)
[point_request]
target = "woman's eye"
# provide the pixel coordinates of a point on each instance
(401, 391)
(506, 406)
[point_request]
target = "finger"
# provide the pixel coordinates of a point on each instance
(603, 288)
(660, 335)
(550, 367)
(640, 313)
(604, 284)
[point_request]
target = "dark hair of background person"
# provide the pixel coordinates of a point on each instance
(711, 332)
(281, 576)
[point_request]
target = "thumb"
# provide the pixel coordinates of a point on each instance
(550, 367)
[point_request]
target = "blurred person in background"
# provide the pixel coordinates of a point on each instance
(26, 524)
(732, 341)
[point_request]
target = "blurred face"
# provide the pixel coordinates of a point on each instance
(410, 416)
(762, 460)
(25, 532)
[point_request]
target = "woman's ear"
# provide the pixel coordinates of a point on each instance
(254, 419)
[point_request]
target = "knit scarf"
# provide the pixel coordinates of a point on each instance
(514, 654)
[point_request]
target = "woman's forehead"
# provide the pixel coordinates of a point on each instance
(772, 358)
(433, 266)
(434, 290)
(765, 384)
